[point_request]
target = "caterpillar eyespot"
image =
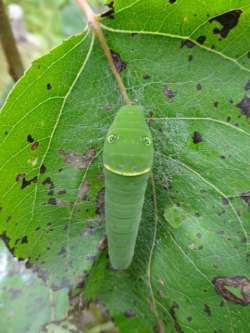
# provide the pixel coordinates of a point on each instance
(127, 164)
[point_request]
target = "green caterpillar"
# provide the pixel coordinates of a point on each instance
(127, 158)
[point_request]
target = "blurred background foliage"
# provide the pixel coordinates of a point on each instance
(38, 26)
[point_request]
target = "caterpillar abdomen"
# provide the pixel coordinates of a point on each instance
(128, 158)
(124, 198)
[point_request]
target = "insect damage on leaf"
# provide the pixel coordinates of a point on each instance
(235, 289)
(246, 197)
(197, 138)
(24, 240)
(100, 202)
(228, 21)
(49, 183)
(173, 309)
(42, 169)
(110, 12)
(244, 106)
(80, 161)
(201, 39)
(49, 86)
(84, 188)
(35, 145)
(30, 139)
(247, 86)
(25, 182)
(207, 310)
(167, 92)
(187, 43)
(120, 65)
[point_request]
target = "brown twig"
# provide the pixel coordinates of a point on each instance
(9, 46)
(95, 27)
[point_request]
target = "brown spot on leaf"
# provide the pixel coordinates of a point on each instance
(26, 182)
(118, 62)
(20, 176)
(129, 313)
(24, 240)
(6, 239)
(187, 43)
(38, 270)
(82, 194)
(244, 106)
(62, 192)
(35, 145)
(172, 311)
(167, 92)
(243, 240)
(52, 201)
(225, 201)
(201, 39)
(108, 108)
(246, 197)
(49, 183)
(80, 161)
(199, 86)
(43, 169)
(197, 138)
(57, 202)
(109, 13)
(228, 21)
(241, 282)
(207, 310)
(62, 251)
(30, 139)
(100, 202)
(247, 86)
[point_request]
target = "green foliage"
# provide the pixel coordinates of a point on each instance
(187, 64)
(26, 302)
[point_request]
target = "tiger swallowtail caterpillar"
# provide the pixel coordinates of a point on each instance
(127, 159)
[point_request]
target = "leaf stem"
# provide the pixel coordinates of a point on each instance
(95, 27)
(9, 45)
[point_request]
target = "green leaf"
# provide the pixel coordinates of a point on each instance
(26, 302)
(195, 93)
(47, 214)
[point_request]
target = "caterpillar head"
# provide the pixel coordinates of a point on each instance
(128, 147)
